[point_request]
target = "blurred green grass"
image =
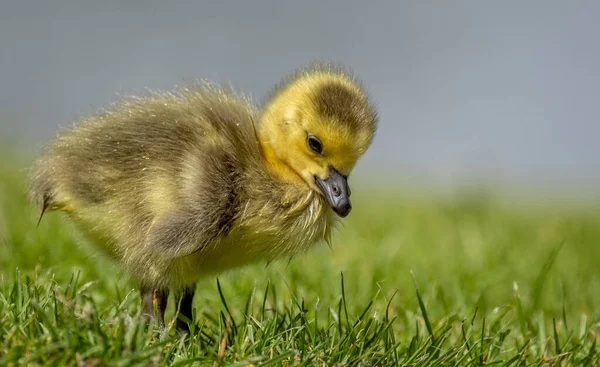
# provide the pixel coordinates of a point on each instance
(531, 271)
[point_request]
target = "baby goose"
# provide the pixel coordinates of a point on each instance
(179, 185)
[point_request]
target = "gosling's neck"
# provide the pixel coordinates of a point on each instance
(296, 195)
(275, 163)
(277, 167)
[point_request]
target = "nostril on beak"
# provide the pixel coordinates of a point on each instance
(336, 190)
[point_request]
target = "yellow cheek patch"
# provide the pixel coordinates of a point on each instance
(340, 146)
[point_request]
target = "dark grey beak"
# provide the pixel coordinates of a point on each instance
(336, 190)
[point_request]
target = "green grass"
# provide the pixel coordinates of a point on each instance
(467, 281)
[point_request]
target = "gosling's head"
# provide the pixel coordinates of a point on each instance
(313, 130)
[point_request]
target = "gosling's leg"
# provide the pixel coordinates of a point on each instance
(185, 308)
(155, 298)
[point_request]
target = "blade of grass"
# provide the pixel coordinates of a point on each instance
(422, 307)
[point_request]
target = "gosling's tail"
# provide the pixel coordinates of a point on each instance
(40, 189)
(44, 207)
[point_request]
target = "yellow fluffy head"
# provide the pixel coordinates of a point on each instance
(317, 120)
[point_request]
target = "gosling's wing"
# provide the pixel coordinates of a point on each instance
(208, 205)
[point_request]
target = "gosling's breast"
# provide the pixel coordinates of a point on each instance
(259, 238)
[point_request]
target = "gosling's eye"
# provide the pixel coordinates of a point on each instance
(315, 144)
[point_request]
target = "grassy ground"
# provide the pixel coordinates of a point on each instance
(491, 283)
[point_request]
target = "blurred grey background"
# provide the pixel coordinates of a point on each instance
(505, 91)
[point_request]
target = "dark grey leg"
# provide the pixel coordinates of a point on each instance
(155, 298)
(185, 308)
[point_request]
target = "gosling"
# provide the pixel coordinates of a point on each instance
(180, 185)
